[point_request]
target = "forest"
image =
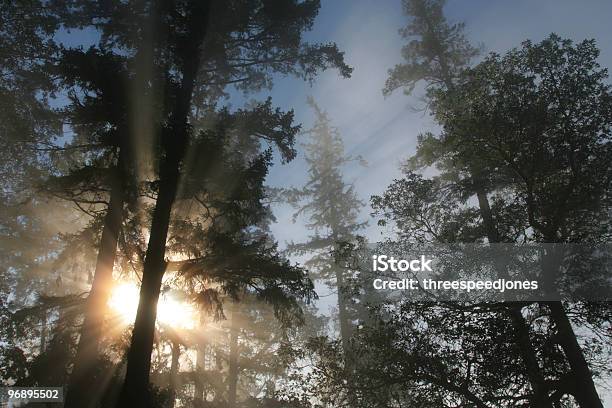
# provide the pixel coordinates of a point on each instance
(193, 191)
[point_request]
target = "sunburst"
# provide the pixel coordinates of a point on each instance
(172, 312)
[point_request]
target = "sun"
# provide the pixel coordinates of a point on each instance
(170, 311)
(175, 313)
(124, 301)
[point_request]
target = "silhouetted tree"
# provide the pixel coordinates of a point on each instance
(438, 54)
(28, 127)
(505, 110)
(97, 82)
(185, 40)
(533, 123)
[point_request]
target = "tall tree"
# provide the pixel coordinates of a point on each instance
(510, 121)
(436, 211)
(438, 54)
(29, 246)
(541, 122)
(332, 209)
(252, 39)
(98, 117)
(83, 165)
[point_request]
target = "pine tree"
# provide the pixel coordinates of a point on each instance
(332, 210)
(438, 54)
(466, 168)
(195, 38)
(549, 132)
(147, 84)
(28, 126)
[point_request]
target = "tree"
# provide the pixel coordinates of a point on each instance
(109, 119)
(439, 55)
(432, 210)
(332, 208)
(89, 81)
(437, 52)
(28, 125)
(542, 120)
(98, 118)
(192, 42)
(510, 124)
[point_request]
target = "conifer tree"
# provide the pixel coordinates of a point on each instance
(192, 47)
(462, 162)
(437, 55)
(158, 70)
(331, 208)
(101, 183)
(560, 132)
(28, 127)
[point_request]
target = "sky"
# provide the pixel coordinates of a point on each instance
(384, 130)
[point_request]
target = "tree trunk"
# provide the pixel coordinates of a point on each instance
(43, 331)
(200, 363)
(487, 216)
(584, 390)
(343, 315)
(584, 387)
(83, 391)
(232, 376)
(136, 386)
(135, 390)
(174, 370)
(541, 397)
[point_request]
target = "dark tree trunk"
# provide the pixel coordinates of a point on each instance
(200, 363)
(83, 391)
(135, 390)
(198, 385)
(584, 387)
(174, 370)
(232, 376)
(528, 354)
(343, 314)
(136, 387)
(541, 396)
(487, 216)
(217, 397)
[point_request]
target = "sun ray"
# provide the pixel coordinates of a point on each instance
(171, 311)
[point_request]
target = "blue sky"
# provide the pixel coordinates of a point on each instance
(384, 130)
